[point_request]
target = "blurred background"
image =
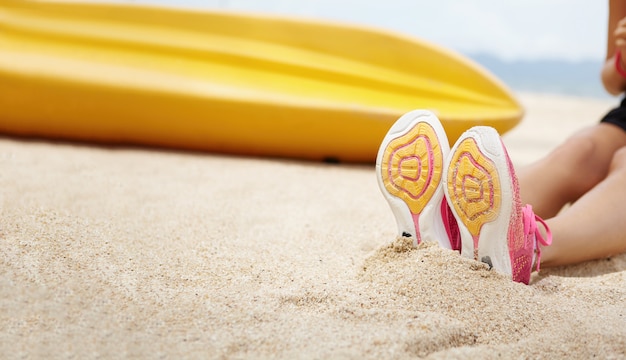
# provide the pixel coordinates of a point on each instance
(552, 46)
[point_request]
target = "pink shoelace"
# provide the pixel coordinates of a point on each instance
(531, 229)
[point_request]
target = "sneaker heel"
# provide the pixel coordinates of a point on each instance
(473, 186)
(409, 169)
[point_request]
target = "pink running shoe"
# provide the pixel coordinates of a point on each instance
(409, 169)
(483, 193)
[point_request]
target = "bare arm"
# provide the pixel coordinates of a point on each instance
(613, 82)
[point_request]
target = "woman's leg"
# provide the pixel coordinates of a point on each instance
(593, 227)
(571, 170)
(589, 171)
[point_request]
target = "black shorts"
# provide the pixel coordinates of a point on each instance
(617, 116)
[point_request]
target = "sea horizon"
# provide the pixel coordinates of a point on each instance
(573, 78)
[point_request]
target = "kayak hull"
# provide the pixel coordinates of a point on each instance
(247, 84)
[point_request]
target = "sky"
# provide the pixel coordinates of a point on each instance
(572, 30)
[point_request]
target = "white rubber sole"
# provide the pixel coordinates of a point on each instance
(409, 169)
(480, 191)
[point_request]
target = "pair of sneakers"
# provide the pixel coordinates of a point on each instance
(465, 198)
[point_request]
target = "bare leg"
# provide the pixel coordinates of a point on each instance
(589, 169)
(571, 170)
(592, 228)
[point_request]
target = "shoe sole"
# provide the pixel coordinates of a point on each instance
(409, 169)
(480, 191)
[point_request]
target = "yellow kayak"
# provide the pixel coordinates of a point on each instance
(227, 82)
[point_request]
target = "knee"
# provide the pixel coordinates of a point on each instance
(581, 161)
(577, 152)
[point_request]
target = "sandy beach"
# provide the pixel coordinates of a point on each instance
(140, 253)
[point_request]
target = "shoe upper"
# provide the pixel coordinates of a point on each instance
(451, 226)
(525, 249)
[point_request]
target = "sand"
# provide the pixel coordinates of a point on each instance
(139, 253)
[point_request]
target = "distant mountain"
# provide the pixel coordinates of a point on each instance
(561, 77)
